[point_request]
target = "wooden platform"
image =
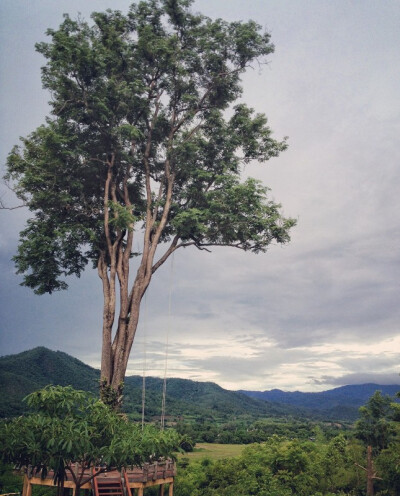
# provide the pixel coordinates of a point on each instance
(134, 480)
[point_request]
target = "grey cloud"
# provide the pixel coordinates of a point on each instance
(337, 282)
(360, 378)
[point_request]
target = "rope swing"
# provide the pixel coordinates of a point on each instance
(144, 360)
(164, 392)
(164, 389)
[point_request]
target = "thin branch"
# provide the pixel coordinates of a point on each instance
(106, 207)
(72, 473)
(192, 132)
(58, 111)
(240, 246)
(100, 471)
(174, 246)
(3, 207)
(374, 476)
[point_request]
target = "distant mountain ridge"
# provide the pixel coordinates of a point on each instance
(28, 371)
(352, 396)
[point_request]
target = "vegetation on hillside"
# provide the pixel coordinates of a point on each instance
(198, 402)
(26, 372)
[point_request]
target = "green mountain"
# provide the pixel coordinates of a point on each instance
(28, 371)
(25, 372)
(199, 400)
(31, 370)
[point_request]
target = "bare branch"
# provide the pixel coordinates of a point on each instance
(3, 207)
(174, 246)
(2, 204)
(106, 199)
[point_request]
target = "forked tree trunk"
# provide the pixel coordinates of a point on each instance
(113, 269)
(116, 350)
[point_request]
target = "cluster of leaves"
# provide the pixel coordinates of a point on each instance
(110, 396)
(375, 426)
(68, 426)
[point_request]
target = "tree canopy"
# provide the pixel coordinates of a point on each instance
(375, 426)
(146, 141)
(68, 426)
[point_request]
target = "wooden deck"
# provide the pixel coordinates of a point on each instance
(134, 480)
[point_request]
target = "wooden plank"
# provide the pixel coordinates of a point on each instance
(157, 482)
(37, 481)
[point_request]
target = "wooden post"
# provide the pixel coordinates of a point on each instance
(140, 491)
(161, 490)
(27, 489)
(171, 489)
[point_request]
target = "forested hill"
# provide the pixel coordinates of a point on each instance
(25, 372)
(30, 370)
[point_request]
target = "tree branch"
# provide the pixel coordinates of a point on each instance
(374, 476)
(106, 207)
(174, 246)
(3, 207)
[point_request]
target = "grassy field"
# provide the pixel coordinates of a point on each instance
(215, 451)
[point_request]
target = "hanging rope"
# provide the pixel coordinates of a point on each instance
(164, 393)
(144, 360)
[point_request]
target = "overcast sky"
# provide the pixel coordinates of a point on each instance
(321, 312)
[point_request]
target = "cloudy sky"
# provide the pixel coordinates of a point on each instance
(321, 312)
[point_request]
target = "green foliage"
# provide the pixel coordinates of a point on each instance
(248, 430)
(388, 466)
(110, 396)
(9, 481)
(375, 427)
(70, 426)
(143, 97)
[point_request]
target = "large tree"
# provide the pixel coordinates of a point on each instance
(144, 140)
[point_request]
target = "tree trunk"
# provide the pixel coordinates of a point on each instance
(116, 351)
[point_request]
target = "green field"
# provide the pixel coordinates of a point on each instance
(215, 451)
